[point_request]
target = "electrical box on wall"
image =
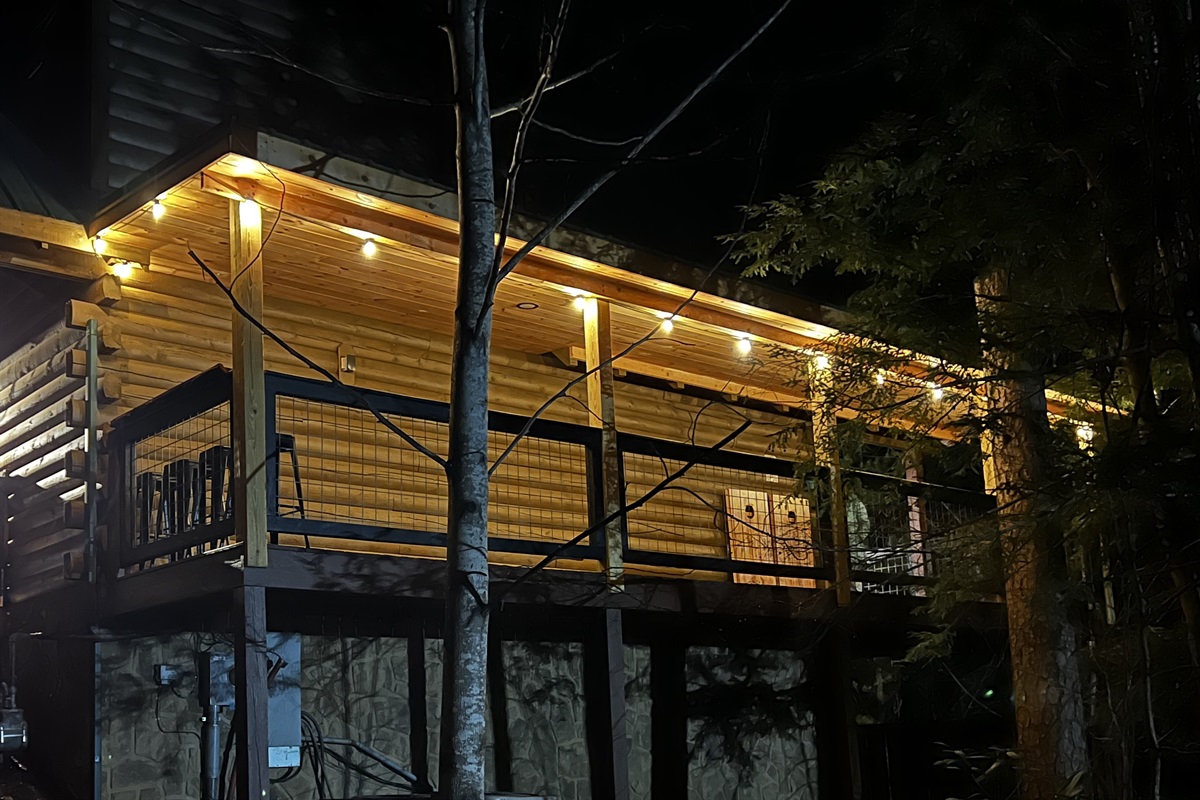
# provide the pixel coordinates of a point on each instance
(282, 655)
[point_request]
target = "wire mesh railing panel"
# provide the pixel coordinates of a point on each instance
(339, 464)
(886, 532)
(540, 491)
(182, 479)
(718, 512)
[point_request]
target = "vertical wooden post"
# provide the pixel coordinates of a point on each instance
(250, 674)
(604, 690)
(840, 773)
(418, 708)
(824, 417)
(502, 761)
(669, 720)
(608, 703)
(248, 410)
(597, 339)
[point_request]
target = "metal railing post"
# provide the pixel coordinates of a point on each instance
(91, 501)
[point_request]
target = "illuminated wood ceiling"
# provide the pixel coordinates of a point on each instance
(313, 254)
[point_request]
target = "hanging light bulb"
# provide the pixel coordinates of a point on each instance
(122, 269)
(1084, 434)
(744, 345)
(936, 392)
(99, 245)
(666, 326)
(369, 249)
(880, 378)
(581, 302)
(157, 209)
(821, 361)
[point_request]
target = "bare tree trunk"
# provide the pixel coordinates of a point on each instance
(1051, 731)
(464, 692)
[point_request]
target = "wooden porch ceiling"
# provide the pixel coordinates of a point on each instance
(313, 254)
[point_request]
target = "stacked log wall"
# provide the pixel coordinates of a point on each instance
(159, 330)
(42, 429)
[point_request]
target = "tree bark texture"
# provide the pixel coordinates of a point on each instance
(1047, 683)
(465, 672)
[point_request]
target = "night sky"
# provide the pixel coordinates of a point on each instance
(767, 127)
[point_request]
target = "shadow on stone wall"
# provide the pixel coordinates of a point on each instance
(751, 730)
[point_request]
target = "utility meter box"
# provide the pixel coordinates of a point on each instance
(282, 656)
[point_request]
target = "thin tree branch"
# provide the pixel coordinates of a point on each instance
(651, 333)
(653, 134)
(500, 111)
(528, 111)
(588, 139)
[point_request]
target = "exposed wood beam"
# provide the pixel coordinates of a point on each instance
(682, 378)
(35, 255)
(52, 231)
(104, 291)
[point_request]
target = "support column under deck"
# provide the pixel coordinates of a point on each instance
(250, 676)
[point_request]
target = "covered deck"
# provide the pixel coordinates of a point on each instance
(338, 480)
(683, 430)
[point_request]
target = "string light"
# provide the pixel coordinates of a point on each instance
(581, 302)
(744, 345)
(936, 392)
(249, 213)
(369, 249)
(99, 245)
(122, 269)
(880, 378)
(1084, 434)
(157, 209)
(821, 361)
(668, 321)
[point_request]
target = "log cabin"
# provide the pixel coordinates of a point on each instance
(181, 486)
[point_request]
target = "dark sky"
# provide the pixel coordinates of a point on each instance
(803, 91)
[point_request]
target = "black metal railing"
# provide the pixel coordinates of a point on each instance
(334, 473)
(338, 473)
(172, 465)
(899, 530)
(729, 512)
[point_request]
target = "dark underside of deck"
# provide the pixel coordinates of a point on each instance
(197, 593)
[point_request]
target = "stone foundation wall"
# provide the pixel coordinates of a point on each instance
(750, 733)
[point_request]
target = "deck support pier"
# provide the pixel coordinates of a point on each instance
(837, 742)
(250, 678)
(604, 691)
